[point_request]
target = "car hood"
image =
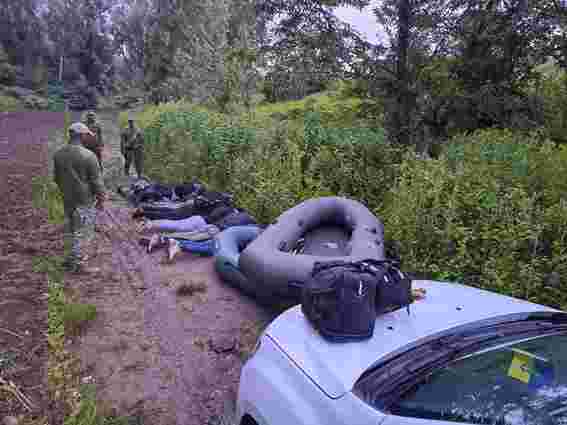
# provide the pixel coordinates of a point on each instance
(335, 367)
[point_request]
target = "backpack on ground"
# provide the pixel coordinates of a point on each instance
(342, 299)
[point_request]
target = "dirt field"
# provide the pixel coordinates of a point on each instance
(24, 234)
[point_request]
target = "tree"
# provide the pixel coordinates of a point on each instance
(486, 49)
(306, 46)
(21, 32)
(79, 30)
(130, 24)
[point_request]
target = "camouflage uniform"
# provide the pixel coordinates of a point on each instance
(90, 120)
(78, 177)
(79, 232)
(132, 148)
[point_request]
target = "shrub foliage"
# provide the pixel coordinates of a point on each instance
(491, 211)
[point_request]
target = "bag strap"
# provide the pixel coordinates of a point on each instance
(319, 266)
(369, 265)
(390, 268)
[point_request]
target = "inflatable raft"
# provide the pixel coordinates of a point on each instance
(229, 244)
(280, 260)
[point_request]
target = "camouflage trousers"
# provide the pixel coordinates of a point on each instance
(79, 232)
(136, 156)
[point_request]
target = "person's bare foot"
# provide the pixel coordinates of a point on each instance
(155, 241)
(173, 249)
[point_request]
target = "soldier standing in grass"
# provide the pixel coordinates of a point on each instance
(79, 179)
(132, 148)
(94, 126)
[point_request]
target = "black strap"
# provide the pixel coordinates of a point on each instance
(376, 267)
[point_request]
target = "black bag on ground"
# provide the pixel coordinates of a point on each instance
(342, 299)
(184, 191)
(237, 218)
(207, 201)
(219, 213)
(154, 193)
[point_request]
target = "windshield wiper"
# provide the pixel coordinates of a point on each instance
(417, 364)
(398, 376)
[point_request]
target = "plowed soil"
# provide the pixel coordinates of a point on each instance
(24, 234)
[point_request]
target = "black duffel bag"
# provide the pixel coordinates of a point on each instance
(342, 299)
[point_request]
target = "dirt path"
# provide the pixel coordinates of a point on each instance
(169, 358)
(25, 235)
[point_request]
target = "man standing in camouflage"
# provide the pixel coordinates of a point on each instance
(94, 126)
(79, 178)
(132, 148)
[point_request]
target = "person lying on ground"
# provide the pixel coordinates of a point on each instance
(158, 240)
(79, 178)
(175, 246)
(194, 223)
(226, 218)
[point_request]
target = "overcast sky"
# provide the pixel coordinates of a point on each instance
(364, 22)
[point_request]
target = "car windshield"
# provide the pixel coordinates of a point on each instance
(516, 383)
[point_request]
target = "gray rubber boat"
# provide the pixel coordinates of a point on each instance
(281, 258)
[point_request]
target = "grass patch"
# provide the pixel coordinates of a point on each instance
(88, 412)
(47, 196)
(75, 316)
(67, 317)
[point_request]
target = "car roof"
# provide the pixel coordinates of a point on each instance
(335, 367)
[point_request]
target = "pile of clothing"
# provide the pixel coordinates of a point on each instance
(214, 209)
(145, 192)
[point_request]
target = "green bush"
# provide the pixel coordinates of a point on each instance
(491, 212)
(554, 92)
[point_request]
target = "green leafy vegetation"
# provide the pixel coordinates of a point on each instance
(46, 195)
(490, 211)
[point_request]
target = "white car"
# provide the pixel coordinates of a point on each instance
(462, 355)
